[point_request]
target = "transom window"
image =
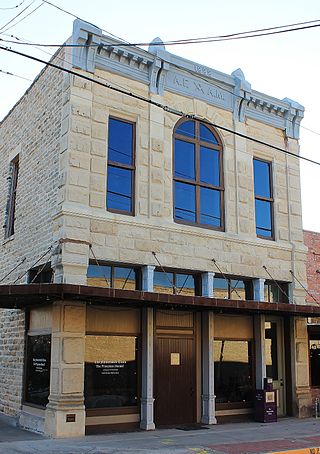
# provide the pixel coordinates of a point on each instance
(121, 166)
(175, 283)
(112, 276)
(263, 199)
(233, 289)
(276, 292)
(198, 182)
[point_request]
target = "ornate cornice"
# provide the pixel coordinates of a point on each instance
(163, 71)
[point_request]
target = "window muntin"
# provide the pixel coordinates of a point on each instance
(263, 198)
(121, 166)
(11, 206)
(273, 294)
(37, 378)
(234, 289)
(198, 182)
(175, 283)
(112, 276)
(111, 371)
(233, 371)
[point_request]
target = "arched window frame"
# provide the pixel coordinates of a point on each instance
(196, 181)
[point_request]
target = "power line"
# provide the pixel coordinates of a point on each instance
(13, 7)
(14, 75)
(23, 18)
(15, 17)
(159, 105)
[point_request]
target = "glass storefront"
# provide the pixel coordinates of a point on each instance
(111, 371)
(233, 371)
(38, 369)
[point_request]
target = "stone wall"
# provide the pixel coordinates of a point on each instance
(32, 130)
(121, 238)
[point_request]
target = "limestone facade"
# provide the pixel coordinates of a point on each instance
(59, 129)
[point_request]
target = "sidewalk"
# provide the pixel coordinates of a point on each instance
(240, 438)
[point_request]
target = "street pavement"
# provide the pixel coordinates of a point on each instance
(236, 438)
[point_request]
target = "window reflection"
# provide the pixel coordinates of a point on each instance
(233, 371)
(110, 371)
(111, 276)
(38, 369)
(174, 283)
(235, 289)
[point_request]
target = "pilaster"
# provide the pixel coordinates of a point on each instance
(65, 412)
(147, 278)
(258, 289)
(147, 400)
(207, 284)
(208, 396)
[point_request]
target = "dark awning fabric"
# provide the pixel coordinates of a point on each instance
(22, 296)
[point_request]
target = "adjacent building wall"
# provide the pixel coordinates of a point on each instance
(32, 130)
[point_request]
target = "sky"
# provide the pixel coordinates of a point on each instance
(284, 65)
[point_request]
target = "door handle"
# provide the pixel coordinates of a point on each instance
(281, 382)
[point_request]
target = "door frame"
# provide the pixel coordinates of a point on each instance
(280, 385)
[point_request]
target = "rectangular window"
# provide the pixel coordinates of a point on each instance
(234, 289)
(175, 283)
(11, 206)
(263, 198)
(111, 371)
(112, 276)
(121, 166)
(41, 275)
(314, 355)
(233, 371)
(276, 292)
(38, 369)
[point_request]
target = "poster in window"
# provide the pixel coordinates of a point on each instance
(38, 369)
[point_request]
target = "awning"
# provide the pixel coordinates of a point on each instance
(27, 295)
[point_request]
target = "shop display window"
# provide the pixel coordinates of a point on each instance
(37, 383)
(111, 371)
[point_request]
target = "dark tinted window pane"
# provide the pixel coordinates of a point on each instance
(206, 135)
(99, 276)
(162, 282)
(209, 166)
(232, 371)
(110, 371)
(263, 218)
(237, 290)
(261, 178)
(120, 141)
(185, 203)
(271, 350)
(38, 369)
(124, 278)
(119, 189)
(186, 128)
(184, 160)
(210, 207)
(220, 288)
(185, 284)
(314, 353)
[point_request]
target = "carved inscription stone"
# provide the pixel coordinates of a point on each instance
(197, 88)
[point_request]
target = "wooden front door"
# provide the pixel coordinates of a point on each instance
(175, 381)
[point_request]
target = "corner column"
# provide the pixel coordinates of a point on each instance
(65, 412)
(147, 400)
(208, 398)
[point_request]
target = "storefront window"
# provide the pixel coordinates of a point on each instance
(111, 276)
(111, 371)
(38, 369)
(233, 371)
(314, 355)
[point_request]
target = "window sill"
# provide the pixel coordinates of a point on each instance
(8, 240)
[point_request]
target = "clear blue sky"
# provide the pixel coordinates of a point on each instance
(284, 65)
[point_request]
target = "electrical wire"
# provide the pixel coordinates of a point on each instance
(159, 105)
(17, 15)
(14, 75)
(13, 7)
(23, 18)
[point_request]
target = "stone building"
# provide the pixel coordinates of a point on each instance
(312, 241)
(151, 244)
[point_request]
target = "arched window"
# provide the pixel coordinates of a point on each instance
(197, 174)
